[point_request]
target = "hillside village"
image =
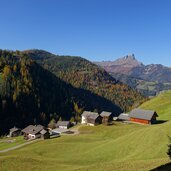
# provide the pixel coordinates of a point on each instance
(113, 136)
(88, 118)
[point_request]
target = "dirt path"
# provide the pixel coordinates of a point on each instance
(17, 146)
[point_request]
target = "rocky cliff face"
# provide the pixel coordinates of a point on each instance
(122, 65)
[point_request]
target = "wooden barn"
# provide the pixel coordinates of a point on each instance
(91, 118)
(143, 116)
(45, 134)
(107, 118)
(14, 132)
(94, 119)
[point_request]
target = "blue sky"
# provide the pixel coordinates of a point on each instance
(95, 29)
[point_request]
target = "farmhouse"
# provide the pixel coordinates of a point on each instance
(84, 117)
(63, 124)
(143, 116)
(33, 132)
(91, 118)
(123, 117)
(106, 117)
(14, 132)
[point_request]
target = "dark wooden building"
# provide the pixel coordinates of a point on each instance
(45, 134)
(143, 116)
(14, 132)
(107, 118)
(94, 119)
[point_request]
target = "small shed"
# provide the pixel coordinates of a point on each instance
(63, 124)
(143, 116)
(45, 134)
(14, 132)
(106, 117)
(123, 117)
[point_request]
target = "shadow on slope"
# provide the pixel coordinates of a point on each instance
(85, 98)
(161, 121)
(166, 167)
(48, 95)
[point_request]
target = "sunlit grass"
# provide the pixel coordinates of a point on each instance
(6, 143)
(120, 147)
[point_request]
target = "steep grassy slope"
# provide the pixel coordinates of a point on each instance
(162, 105)
(115, 147)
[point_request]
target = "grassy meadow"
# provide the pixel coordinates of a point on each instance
(120, 147)
(161, 104)
(6, 143)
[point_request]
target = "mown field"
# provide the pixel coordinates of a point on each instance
(121, 147)
(162, 105)
(6, 143)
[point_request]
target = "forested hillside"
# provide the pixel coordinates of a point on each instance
(29, 94)
(37, 86)
(83, 74)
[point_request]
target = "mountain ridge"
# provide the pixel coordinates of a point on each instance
(130, 68)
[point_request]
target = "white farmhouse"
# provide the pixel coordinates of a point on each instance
(63, 124)
(84, 117)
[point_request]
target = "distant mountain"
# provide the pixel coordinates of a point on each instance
(148, 79)
(121, 65)
(36, 86)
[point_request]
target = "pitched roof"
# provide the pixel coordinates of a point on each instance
(59, 130)
(14, 129)
(124, 116)
(142, 114)
(89, 114)
(86, 113)
(104, 113)
(93, 115)
(63, 123)
(33, 129)
(43, 131)
(26, 129)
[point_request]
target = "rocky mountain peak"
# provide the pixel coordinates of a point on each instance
(122, 65)
(130, 57)
(128, 60)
